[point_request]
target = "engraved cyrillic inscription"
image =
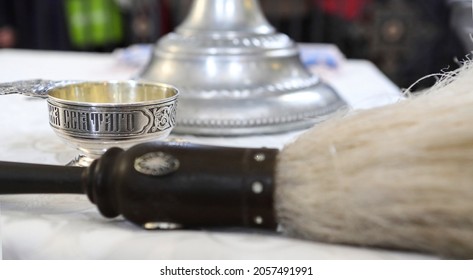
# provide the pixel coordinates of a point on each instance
(98, 122)
(114, 122)
(86, 122)
(54, 118)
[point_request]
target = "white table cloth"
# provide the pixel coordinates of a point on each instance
(70, 227)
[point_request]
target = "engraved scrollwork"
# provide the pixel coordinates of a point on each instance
(27, 87)
(7, 89)
(164, 118)
(35, 88)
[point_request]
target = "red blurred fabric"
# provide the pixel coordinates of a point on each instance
(347, 9)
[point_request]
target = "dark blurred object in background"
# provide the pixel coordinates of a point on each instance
(7, 32)
(406, 39)
(461, 21)
(146, 20)
(87, 25)
(35, 24)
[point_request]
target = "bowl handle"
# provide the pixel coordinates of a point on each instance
(34, 88)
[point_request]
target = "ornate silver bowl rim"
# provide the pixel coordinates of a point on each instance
(75, 93)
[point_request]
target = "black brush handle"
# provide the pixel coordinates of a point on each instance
(187, 185)
(23, 178)
(158, 185)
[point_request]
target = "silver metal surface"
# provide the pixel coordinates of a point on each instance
(34, 88)
(236, 74)
(156, 164)
(95, 116)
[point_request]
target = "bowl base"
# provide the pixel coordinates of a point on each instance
(81, 161)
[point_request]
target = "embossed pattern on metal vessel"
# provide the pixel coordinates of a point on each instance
(108, 122)
(237, 75)
(35, 88)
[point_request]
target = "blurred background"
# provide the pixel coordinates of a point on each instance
(406, 39)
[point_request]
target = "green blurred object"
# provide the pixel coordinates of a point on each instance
(93, 23)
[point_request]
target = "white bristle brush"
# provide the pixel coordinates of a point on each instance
(399, 176)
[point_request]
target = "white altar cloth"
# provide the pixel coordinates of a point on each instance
(70, 227)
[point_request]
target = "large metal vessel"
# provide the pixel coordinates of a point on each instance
(236, 74)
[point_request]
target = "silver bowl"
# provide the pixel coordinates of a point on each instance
(94, 116)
